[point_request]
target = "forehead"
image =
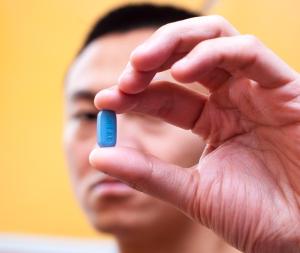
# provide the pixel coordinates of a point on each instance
(101, 63)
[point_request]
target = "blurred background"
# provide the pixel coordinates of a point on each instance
(39, 38)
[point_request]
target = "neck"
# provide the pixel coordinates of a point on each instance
(193, 238)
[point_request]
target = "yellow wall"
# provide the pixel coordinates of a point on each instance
(38, 39)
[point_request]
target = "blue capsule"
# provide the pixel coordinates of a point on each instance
(106, 128)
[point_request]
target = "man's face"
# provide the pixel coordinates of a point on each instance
(110, 205)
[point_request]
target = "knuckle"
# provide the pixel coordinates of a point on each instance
(165, 28)
(250, 40)
(167, 107)
(190, 197)
(141, 179)
(219, 20)
(205, 45)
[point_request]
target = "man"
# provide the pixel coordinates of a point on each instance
(245, 186)
(139, 223)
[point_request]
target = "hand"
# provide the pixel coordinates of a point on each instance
(246, 186)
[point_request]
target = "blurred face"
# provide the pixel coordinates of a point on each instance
(110, 205)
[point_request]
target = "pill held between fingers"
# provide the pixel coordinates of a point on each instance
(106, 128)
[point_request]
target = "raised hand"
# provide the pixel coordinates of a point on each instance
(246, 186)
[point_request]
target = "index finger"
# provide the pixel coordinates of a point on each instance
(168, 44)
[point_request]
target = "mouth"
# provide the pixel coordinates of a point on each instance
(110, 187)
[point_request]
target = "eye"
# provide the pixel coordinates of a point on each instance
(85, 116)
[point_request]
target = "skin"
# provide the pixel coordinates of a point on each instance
(245, 186)
(139, 222)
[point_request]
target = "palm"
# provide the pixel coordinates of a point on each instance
(244, 179)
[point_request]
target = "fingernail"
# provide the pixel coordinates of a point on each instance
(102, 96)
(93, 155)
(106, 92)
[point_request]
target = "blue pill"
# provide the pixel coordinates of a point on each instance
(106, 128)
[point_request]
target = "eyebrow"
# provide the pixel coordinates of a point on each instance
(83, 95)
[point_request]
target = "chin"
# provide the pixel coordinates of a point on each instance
(132, 215)
(116, 224)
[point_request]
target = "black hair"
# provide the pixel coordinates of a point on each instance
(134, 16)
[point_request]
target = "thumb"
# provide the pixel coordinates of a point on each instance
(147, 173)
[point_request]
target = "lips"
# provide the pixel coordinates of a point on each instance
(109, 186)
